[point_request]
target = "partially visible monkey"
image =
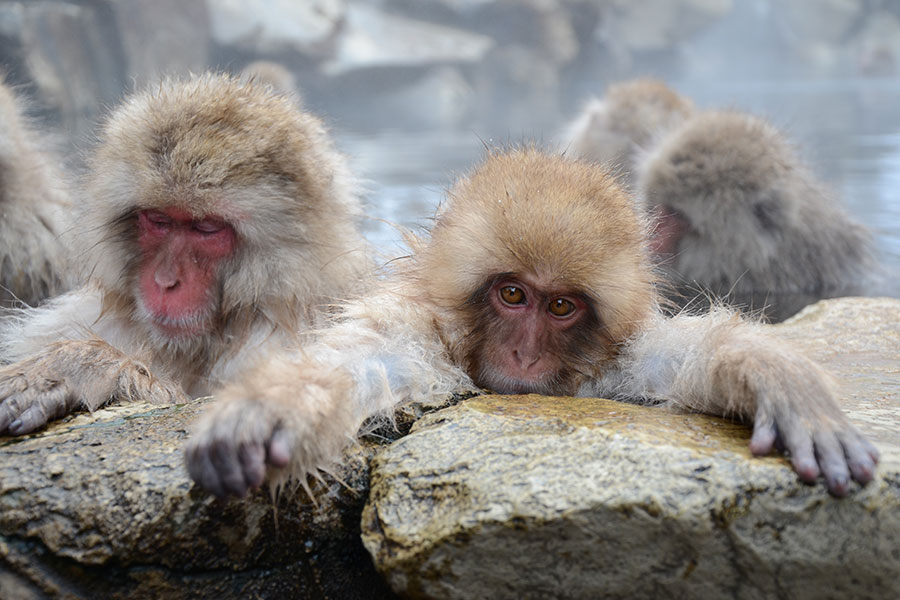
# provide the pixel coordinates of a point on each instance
(535, 279)
(274, 75)
(627, 120)
(217, 219)
(34, 204)
(740, 215)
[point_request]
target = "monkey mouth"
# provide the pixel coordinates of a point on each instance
(502, 383)
(181, 326)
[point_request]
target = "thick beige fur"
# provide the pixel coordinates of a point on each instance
(34, 208)
(760, 222)
(540, 217)
(211, 145)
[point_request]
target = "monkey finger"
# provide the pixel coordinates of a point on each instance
(201, 470)
(8, 414)
(763, 439)
(31, 418)
(858, 452)
(800, 445)
(279, 449)
(253, 462)
(224, 456)
(832, 463)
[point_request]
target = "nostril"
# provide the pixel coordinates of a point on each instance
(525, 361)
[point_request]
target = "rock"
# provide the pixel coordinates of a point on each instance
(69, 52)
(162, 38)
(659, 24)
(82, 56)
(100, 506)
(271, 26)
(535, 497)
(376, 39)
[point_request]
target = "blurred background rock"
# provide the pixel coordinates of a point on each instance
(414, 88)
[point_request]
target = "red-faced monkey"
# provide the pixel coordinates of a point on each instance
(218, 218)
(34, 205)
(631, 115)
(739, 214)
(535, 279)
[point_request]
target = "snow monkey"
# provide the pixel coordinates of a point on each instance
(627, 120)
(34, 204)
(740, 214)
(535, 279)
(218, 219)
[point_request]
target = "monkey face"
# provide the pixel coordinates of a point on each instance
(531, 335)
(177, 286)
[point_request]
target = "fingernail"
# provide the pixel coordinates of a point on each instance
(15, 426)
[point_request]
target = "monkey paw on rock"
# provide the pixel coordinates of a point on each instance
(74, 375)
(805, 420)
(234, 444)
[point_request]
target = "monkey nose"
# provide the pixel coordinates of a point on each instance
(166, 281)
(525, 360)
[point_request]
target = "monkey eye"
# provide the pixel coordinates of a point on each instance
(510, 294)
(158, 218)
(208, 226)
(561, 307)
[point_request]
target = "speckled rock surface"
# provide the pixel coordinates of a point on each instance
(532, 497)
(100, 506)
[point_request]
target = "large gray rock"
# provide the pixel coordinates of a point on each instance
(81, 56)
(69, 52)
(534, 497)
(100, 506)
(267, 26)
(375, 39)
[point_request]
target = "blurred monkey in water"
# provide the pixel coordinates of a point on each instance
(739, 215)
(34, 206)
(626, 121)
(218, 218)
(535, 279)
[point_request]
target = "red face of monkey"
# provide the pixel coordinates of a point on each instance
(180, 258)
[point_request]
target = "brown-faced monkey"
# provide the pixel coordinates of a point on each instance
(535, 279)
(218, 219)
(34, 207)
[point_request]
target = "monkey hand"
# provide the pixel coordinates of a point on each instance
(73, 375)
(799, 413)
(233, 445)
(284, 418)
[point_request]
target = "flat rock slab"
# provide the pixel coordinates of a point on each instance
(535, 497)
(100, 506)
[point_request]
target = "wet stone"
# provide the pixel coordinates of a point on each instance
(100, 506)
(535, 497)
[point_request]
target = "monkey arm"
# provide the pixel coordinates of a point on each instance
(71, 375)
(294, 413)
(720, 364)
(26, 332)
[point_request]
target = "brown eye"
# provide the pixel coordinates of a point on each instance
(512, 295)
(561, 307)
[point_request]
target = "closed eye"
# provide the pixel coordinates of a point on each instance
(208, 226)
